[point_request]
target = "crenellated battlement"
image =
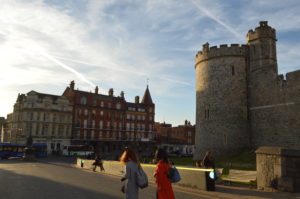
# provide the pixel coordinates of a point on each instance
(240, 98)
(262, 31)
(293, 78)
(223, 50)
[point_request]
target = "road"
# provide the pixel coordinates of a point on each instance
(57, 178)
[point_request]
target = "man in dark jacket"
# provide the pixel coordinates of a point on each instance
(98, 162)
(208, 162)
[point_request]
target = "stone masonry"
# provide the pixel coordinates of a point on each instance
(278, 169)
(241, 101)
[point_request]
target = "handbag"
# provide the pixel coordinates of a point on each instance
(174, 175)
(141, 178)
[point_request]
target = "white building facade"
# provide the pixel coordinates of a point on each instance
(46, 118)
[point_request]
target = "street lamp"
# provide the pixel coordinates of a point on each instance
(29, 153)
(18, 131)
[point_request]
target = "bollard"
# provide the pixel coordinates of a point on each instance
(82, 163)
(210, 180)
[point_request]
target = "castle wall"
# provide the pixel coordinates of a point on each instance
(276, 126)
(278, 123)
(273, 101)
(221, 94)
(241, 100)
(262, 69)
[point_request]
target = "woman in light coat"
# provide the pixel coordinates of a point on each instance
(129, 158)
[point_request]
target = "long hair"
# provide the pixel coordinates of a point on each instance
(208, 160)
(207, 155)
(161, 154)
(128, 155)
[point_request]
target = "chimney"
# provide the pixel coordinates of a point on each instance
(96, 90)
(72, 85)
(122, 94)
(111, 92)
(137, 99)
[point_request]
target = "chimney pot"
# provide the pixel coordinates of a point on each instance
(137, 99)
(122, 94)
(72, 85)
(111, 92)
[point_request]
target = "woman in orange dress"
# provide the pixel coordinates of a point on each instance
(164, 186)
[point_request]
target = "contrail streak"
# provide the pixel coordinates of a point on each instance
(108, 63)
(123, 70)
(213, 17)
(42, 52)
(175, 81)
(68, 68)
(110, 66)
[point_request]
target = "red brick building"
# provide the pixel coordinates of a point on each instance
(180, 139)
(163, 132)
(109, 122)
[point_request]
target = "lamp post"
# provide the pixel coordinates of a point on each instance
(18, 131)
(29, 155)
(10, 136)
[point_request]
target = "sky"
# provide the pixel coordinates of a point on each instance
(127, 44)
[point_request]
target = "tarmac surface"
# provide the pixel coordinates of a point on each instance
(58, 178)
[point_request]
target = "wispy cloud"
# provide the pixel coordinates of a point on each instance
(216, 19)
(82, 77)
(120, 44)
(124, 71)
(176, 81)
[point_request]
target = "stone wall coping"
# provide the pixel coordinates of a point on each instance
(191, 177)
(278, 151)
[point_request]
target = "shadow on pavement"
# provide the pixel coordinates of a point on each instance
(16, 186)
(242, 191)
(57, 161)
(15, 161)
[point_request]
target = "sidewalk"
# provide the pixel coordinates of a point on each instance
(226, 192)
(236, 192)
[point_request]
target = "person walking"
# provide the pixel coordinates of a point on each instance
(130, 160)
(164, 187)
(98, 162)
(208, 162)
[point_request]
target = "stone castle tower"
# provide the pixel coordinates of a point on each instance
(241, 101)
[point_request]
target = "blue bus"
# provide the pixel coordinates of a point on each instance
(40, 150)
(11, 150)
(18, 150)
(5, 149)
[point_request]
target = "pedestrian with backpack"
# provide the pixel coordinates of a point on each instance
(98, 162)
(130, 160)
(208, 162)
(164, 187)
